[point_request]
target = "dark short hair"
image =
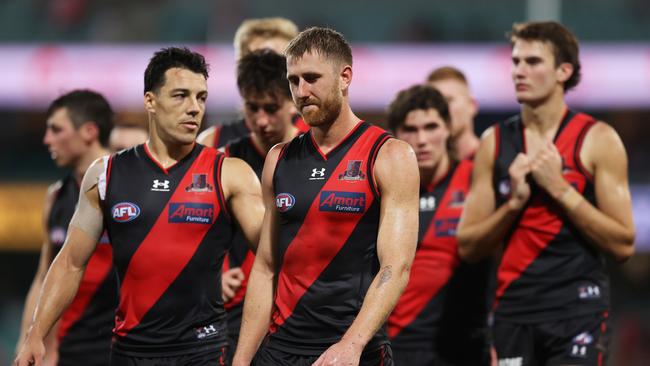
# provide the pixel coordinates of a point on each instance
(564, 43)
(167, 58)
(324, 41)
(414, 98)
(447, 73)
(86, 106)
(263, 72)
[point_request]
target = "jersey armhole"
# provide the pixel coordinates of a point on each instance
(497, 142)
(217, 135)
(217, 180)
(283, 150)
(578, 148)
(104, 177)
(374, 151)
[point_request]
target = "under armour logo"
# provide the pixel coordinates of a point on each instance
(317, 174)
(159, 186)
(427, 203)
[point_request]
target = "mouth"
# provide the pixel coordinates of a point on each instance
(521, 87)
(423, 155)
(190, 125)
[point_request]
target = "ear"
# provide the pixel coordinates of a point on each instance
(346, 77)
(89, 131)
(564, 72)
(475, 106)
(150, 102)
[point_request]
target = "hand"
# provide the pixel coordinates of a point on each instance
(231, 281)
(546, 169)
(31, 352)
(519, 188)
(343, 353)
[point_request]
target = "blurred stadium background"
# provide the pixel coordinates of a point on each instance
(48, 47)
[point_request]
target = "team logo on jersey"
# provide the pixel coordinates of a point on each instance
(580, 343)
(349, 202)
(199, 184)
(446, 227)
(191, 212)
(57, 235)
(353, 171)
(160, 185)
(427, 203)
(588, 292)
(317, 174)
(457, 199)
(208, 331)
(284, 201)
(511, 361)
(125, 211)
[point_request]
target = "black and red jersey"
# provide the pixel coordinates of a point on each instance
(548, 270)
(240, 254)
(442, 292)
(229, 132)
(84, 330)
(328, 209)
(170, 230)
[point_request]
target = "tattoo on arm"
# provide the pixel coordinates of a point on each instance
(386, 274)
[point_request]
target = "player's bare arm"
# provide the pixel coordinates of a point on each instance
(608, 224)
(43, 264)
(398, 180)
(62, 280)
(244, 196)
(207, 137)
(258, 302)
(483, 226)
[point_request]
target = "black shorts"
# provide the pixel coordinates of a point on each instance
(95, 359)
(382, 356)
(457, 346)
(215, 356)
(581, 340)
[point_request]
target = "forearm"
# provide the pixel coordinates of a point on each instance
(257, 314)
(379, 301)
(59, 288)
(603, 231)
(28, 309)
(483, 238)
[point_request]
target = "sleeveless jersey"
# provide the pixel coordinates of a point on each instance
(170, 230)
(229, 132)
(328, 209)
(85, 327)
(548, 271)
(240, 254)
(443, 292)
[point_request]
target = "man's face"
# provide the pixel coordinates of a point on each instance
(462, 106)
(178, 106)
(268, 117)
(534, 73)
(316, 88)
(426, 132)
(65, 143)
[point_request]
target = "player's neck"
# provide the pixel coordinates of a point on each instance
(431, 177)
(546, 116)
(168, 154)
(329, 136)
(94, 152)
(465, 144)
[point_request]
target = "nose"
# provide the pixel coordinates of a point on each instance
(261, 118)
(47, 138)
(194, 108)
(421, 137)
(303, 89)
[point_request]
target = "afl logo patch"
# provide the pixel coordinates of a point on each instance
(284, 201)
(125, 211)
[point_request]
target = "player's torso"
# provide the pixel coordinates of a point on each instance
(548, 269)
(170, 229)
(441, 290)
(328, 213)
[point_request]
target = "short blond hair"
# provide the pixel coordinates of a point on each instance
(262, 28)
